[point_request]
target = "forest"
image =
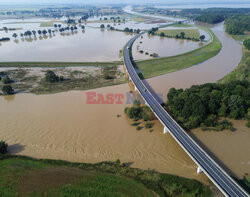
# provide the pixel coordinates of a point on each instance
(207, 105)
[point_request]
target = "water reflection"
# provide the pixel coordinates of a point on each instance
(9, 98)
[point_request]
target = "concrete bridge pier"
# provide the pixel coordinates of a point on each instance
(199, 170)
(165, 130)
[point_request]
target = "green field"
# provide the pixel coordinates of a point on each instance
(46, 24)
(22, 176)
(189, 33)
(159, 66)
(139, 19)
(181, 25)
(57, 64)
(101, 21)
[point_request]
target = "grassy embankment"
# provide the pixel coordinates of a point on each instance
(23, 176)
(46, 24)
(56, 64)
(181, 25)
(189, 33)
(159, 66)
(241, 72)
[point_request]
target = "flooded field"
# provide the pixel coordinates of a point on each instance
(63, 126)
(162, 46)
(90, 45)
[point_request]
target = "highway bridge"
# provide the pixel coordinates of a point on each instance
(204, 162)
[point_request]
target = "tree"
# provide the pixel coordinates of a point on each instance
(162, 34)
(7, 90)
(247, 43)
(44, 32)
(3, 147)
(55, 25)
(102, 26)
(34, 33)
(182, 35)
(14, 35)
(202, 37)
(49, 30)
(39, 32)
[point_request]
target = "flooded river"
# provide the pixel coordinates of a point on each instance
(209, 71)
(63, 126)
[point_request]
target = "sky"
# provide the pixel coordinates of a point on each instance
(116, 1)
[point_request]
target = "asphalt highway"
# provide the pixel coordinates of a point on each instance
(216, 174)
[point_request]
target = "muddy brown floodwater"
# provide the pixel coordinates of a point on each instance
(63, 126)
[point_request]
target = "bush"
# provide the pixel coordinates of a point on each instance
(148, 125)
(6, 80)
(3, 147)
(7, 90)
(138, 128)
(248, 124)
(51, 77)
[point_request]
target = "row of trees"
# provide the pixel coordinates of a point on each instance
(49, 31)
(4, 39)
(202, 105)
(34, 33)
(132, 30)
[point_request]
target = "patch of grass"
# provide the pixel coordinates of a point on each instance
(46, 24)
(22, 176)
(189, 33)
(240, 37)
(160, 66)
(102, 185)
(139, 19)
(181, 25)
(101, 21)
(241, 72)
(11, 170)
(57, 64)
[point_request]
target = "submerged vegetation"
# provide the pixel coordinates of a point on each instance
(138, 112)
(24, 176)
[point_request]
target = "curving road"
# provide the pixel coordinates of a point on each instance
(216, 174)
